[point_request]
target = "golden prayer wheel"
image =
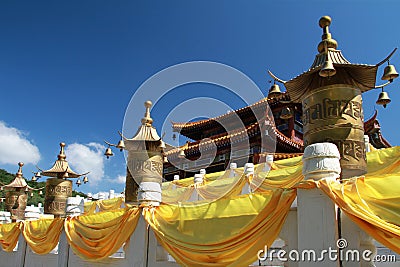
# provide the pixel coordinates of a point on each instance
(57, 192)
(16, 204)
(143, 166)
(131, 188)
(334, 114)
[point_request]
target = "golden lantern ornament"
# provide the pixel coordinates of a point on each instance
(144, 164)
(330, 94)
(17, 195)
(58, 187)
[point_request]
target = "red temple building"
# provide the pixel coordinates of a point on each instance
(287, 130)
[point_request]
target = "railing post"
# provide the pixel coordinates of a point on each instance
(316, 213)
(63, 251)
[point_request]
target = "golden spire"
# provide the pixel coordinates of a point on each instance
(147, 120)
(19, 173)
(327, 41)
(62, 155)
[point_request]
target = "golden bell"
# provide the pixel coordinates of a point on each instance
(286, 114)
(31, 194)
(181, 154)
(162, 144)
(389, 73)
(38, 174)
(327, 69)
(78, 183)
(274, 91)
(108, 152)
(85, 179)
(40, 192)
(34, 179)
(383, 99)
(121, 145)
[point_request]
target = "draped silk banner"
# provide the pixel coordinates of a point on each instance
(42, 235)
(9, 234)
(373, 203)
(97, 236)
(226, 232)
(103, 205)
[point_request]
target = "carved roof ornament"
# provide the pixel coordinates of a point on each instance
(19, 181)
(61, 168)
(146, 131)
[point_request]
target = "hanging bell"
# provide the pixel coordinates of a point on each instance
(78, 183)
(181, 154)
(108, 152)
(286, 113)
(165, 159)
(38, 174)
(40, 192)
(34, 179)
(389, 73)
(162, 144)
(274, 91)
(85, 179)
(383, 99)
(31, 194)
(327, 69)
(121, 145)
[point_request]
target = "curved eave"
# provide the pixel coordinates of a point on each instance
(146, 133)
(59, 168)
(18, 182)
(196, 125)
(358, 75)
(250, 131)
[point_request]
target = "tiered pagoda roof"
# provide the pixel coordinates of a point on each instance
(61, 168)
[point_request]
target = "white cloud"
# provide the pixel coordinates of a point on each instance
(15, 147)
(120, 179)
(87, 158)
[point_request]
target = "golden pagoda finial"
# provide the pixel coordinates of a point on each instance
(147, 120)
(327, 41)
(19, 173)
(62, 155)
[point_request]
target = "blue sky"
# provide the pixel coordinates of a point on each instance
(68, 69)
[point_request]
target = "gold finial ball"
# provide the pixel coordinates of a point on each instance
(20, 164)
(325, 21)
(148, 104)
(62, 144)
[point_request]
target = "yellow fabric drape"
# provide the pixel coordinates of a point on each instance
(178, 194)
(103, 205)
(225, 187)
(226, 232)
(373, 203)
(42, 235)
(110, 204)
(9, 234)
(383, 161)
(90, 207)
(97, 236)
(286, 177)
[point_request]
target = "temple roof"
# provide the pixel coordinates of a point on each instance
(19, 181)
(373, 129)
(196, 126)
(61, 169)
(225, 139)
